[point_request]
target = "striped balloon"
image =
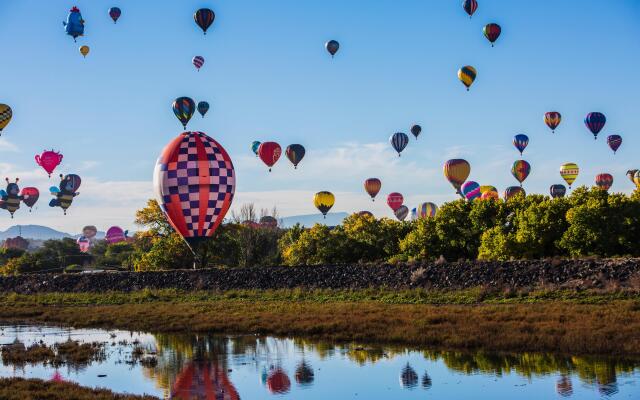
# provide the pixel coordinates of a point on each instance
(470, 6)
(295, 153)
(569, 172)
(183, 108)
(520, 141)
(457, 171)
(395, 200)
(552, 119)
(401, 213)
(492, 32)
(595, 122)
(114, 13)
(471, 190)
(372, 186)
(195, 181)
(427, 210)
(513, 191)
(557, 191)
(399, 141)
(204, 18)
(520, 170)
(467, 75)
(604, 181)
(198, 62)
(614, 142)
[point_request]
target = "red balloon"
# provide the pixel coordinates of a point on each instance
(278, 382)
(30, 196)
(269, 153)
(49, 160)
(395, 200)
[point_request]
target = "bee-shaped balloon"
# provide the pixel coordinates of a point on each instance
(11, 198)
(65, 192)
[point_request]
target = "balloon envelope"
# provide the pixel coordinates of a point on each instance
(401, 212)
(569, 172)
(295, 153)
(471, 190)
(114, 13)
(457, 171)
(520, 141)
(470, 6)
(5, 116)
(395, 200)
(84, 50)
(332, 47)
(84, 244)
(204, 18)
(467, 75)
(604, 181)
(399, 141)
(552, 119)
(198, 62)
(30, 196)
(115, 234)
(324, 201)
(49, 160)
(492, 32)
(614, 142)
(269, 153)
(203, 107)
(427, 210)
(595, 122)
(520, 170)
(183, 108)
(372, 186)
(89, 231)
(557, 191)
(416, 130)
(513, 191)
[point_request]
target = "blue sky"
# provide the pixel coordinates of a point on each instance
(268, 77)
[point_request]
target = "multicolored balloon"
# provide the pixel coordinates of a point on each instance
(255, 146)
(471, 190)
(204, 18)
(30, 196)
(399, 141)
(401, 212)
(203, 107)
(83, 244)
(492, 32)
(49, 160)
(324, 201)
(490, 195)
(332, 47)
(115, 234)
(604, 181)
(552, 119)
(198, 62)
(457, 171)
(631, 173)
(395, 200)
(295, 153)
(636, 179)
(557, 191)
(114, 13)
(372, 186)
(569, 172)
(470, 6)
(614, 142)
(426, 210)
(513, 191)
(194, 181)
(84, 50)
(269, 153)
(183, 108)
(65, 192)
(520, 170)
(487, 188)
(416, 130)
(467, 75)
(5, 116)
(595, 122)
(520, 141)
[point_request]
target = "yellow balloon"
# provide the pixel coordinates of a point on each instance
(569, 172)
(324, 201)
(467, 75)
(636, 179)
(84, 50)
(487, 188)
(5, 116)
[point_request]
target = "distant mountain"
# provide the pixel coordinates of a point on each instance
(332, 219)
(38, 232)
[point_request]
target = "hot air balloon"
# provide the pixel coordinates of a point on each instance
(470, 6)
(557, 191)
(520, 141)
(5, 116)
(324, 201)
(487, 188)
(401, 212)
(492, 32)
(490, 195)
(278, 382)
(204, 18)
(414, 213)
(408, 377)
(520, 170)
(332, 47)
(416, 130)
(614, 142)
(203, 107)
(457, 171)
(372, 186)
(74, 25)
(49, 160)
(631, 173)
(399, 141)
(84, 50)
(552, 119)
(115, 234)
(30, 196)
(114, 13)
(198, 62)
(10, 198)
(83, 244)
(65, 192)
(183, 108)
(295, 154)
(467, 75)
(255, 146)
(636, 179)
(395, 200)
(569, 172)
(471, 190)
(604, 181)
(304, 374)
(268, 221)
(513, 191)
(89, 232)
(269, 153)
(427, 210)
(595, 122)
(194, 181)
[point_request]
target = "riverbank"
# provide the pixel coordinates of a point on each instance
(568, 322)
(37, 389)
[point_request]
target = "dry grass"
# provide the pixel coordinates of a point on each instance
(70, 352)
(36, 389)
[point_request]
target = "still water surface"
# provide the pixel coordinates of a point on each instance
(250, 367)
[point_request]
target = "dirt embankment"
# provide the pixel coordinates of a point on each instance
(514, 274)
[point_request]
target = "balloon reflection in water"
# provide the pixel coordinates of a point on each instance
(426, 381)
(408, 377)
(204, 380)
(278, 382)
(564, 387)
(304, 374)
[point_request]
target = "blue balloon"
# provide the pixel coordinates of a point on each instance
(74, 25)
(520, 141)
(399, 141)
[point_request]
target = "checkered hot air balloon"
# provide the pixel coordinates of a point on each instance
(194, 182)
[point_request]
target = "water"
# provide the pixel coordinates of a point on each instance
(250, 367)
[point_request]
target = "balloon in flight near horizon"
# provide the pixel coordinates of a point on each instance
(557, 191)
(395, 200)
(604, 181)
(471, 190)
(269, 153)
(595, 122)
(84, 244)
(323, 201)
(427, 210)
(30, 196)
(183, 108)
(552, 119)
(416, 130)
(6, 113)
(198, 62)
(470, 7)
(492, 32)
(457, 171)
(569, 172)
(372, 186)
(74, 25)
(65, 192)
(89, 231)
(520, 141)
(513, 191)
(520, 170)
(295, 153)
(203, 107)
(636, 179)
(332, 47)
(467, 75)
(401, 212)
(114, 13)
(399, 141)
(631, 173)
(614, 142)
(204, 17)
(115, 234)
(194, 182)
(84, 50)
